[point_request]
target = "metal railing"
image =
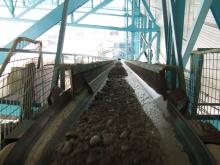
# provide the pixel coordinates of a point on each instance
(26, 80)
(203, 82)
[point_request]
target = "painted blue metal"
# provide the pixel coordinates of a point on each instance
(215, 8)
(177, 23)
(204, 8)
(93, 10)
(150, 55)
(130, 28)
(148, 10)
(165, 22)
(177, 11)
(59, 57)
(10, 7)
(158, 47)
(46, 22)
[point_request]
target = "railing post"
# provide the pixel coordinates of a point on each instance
(195, 81)
(28, 97)
(59, 55)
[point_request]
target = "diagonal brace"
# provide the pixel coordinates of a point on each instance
(93, 10)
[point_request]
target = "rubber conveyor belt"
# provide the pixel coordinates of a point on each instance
(179, 140)
(39, 142)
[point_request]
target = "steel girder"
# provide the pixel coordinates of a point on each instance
(204, 8)
(11, 7)
(93, 10)
(216, 11)
(47, 22)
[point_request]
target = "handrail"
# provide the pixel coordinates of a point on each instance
(13, 48)
(198, 52)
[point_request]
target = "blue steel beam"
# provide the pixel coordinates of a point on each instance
(93, 10)
(59, 58)
(165, 22)
(150, 42)
(177, 10)
(129, 28)
(215, 8)
(10, 7)
(203, 11)
(46, 22)
(158, 47)
(148, 10)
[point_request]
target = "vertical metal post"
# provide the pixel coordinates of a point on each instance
(92, 3)
(72, 17)
(195, 82)
(11, 6)
(177, 11)
(158, 47)
(215, 11)
(166, 27)
(150, 42)
(132, 33)
(28, 97)
(204, 8)
(59, 56)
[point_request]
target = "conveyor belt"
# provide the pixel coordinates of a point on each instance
(39, 141)
(37, 144)
(182, 144)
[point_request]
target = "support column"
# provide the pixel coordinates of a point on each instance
(59, 57)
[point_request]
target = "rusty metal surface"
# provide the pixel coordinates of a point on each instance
(82, 75)
(153, 75)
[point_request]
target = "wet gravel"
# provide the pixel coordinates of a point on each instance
(114, 131)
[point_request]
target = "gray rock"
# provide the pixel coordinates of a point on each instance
(123, 135)
(67, 148)
(94, 140)
(109, 122)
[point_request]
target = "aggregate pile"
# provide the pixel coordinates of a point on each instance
(113, 131)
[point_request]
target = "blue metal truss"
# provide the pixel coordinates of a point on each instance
(47, 22)
(93, 10)
(11, 7)
(216, 11)
(204, 8)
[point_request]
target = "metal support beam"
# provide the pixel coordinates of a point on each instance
(216, 11)
(46, 22)
(177, 11)
(10, 7)
(148, 11)
(158, 47)
(129, 28)
(93, 10)
(177, 22)
(204, 8)
(150, 55)
(59, 57)
(166, 27)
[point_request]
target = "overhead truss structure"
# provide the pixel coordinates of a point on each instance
(140, 24)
